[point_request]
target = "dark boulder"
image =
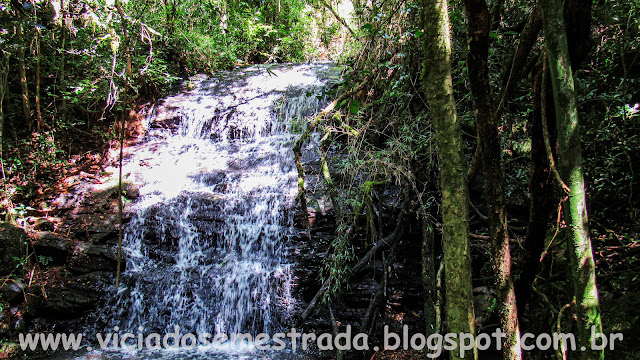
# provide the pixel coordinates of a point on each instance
(12, 292)
(89, 258)
(44, 224)
(52, 246)
(12, 247)
(67, 302)
(96, 226)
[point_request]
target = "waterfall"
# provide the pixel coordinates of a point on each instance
(207, 248)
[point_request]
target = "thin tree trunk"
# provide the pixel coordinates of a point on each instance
(478, 38)
(4, 76)
(570, 165)
(541, 191)
(577, 15)
(22, 69)
(455, 211)
(63, 52)
(39, 122)
(123, 117)
(528, 38)
(429, 278)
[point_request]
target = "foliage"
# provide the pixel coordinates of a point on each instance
(381, 140)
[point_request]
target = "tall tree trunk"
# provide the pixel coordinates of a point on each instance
(478, 38)
(570, 166)
(541, 189)
(63, 53)
(39, 122)
(22, 69)
(4, 75)
(577, 17)
(455, 208)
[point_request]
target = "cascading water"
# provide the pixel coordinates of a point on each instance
(207, 248)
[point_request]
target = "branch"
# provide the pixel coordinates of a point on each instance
(340, 20)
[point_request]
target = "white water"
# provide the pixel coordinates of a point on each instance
(207, 248)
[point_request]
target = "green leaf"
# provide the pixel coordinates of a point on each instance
(354, 107)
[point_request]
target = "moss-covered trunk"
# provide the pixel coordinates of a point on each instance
(455, 210)
(570, 166)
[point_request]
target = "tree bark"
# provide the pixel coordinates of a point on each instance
(63, 52)
(4, 75)
(455, 210)
(577, 16)
(570, 166)
(541, 191)
(477, 15)
(39, 121)
(429, 278)
(22, 69)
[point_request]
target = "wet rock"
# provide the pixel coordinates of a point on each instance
(163, 122)
(106, 237)
(12, 247)
(89, 258)
(12, 292)
(44, 224)
(131, 191)
(97, 282)
(97, 227)
(211, 178)
(52, 246)
(67, 302)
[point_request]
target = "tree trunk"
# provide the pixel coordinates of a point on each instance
(577, 17)
(63, 53)
(455, 210)
(26, 105)
(489, 142)
(39, 122)
(570, 166)
(429, 278)
(541, 191)
(4, 75)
